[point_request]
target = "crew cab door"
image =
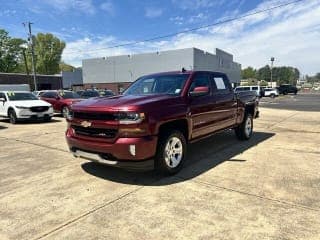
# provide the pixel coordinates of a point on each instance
(3, 111)
(201, 107)
(225, 102)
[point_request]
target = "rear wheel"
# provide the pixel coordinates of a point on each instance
(245, 129)
(65, 111)
(12, 116)
(272, 95)
(171, 153)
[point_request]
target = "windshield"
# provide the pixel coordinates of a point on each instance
(21, 96)
(69, 95)
(164, 84)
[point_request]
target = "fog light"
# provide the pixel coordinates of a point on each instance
(132, 150)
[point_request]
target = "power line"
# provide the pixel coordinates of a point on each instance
(192, 29)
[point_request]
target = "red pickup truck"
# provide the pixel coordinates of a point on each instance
(150, 125)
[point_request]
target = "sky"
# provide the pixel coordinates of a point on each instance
(290, 34)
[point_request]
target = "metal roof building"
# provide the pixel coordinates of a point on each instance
(127, 68)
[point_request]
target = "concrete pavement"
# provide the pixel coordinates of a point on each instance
(266, 188)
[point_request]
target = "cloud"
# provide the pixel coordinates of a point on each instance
(108, 7)
(291, 34)
(178, 20)
(91, 47)
(85, 6)
(152, 12)
(196, 4)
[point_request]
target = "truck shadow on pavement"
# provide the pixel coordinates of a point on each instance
(202, 156)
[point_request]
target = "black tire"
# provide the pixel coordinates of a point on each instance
(64, 111)
(162, 160)
(242, 131)
(272, 95)
(12, 116)
(295, 93)
(47, 119)
(285, 93)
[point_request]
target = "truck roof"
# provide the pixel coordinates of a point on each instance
(182, 72)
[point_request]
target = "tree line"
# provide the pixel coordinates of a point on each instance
(281, 75)
(15, 54)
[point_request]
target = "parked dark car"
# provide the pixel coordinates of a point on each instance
(150, 125)
(89, 94)
(106, 93)
(287, 88)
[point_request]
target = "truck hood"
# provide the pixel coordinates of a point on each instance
(121, 102)
(30, 103)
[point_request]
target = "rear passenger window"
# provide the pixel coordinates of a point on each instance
(220, 83)
(254, 88)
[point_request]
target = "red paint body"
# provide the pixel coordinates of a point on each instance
(202, 116)
(58, 101)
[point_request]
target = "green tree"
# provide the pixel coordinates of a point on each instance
(10, 52)
(264, 73)
(66, 67)
(48, 50)
(248, 72)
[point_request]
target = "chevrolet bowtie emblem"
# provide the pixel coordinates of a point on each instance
(86, 124)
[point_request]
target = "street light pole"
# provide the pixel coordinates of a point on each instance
(272, 60)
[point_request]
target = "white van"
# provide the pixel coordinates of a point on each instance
(257, 89)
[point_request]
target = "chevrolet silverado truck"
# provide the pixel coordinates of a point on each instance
(151, 123)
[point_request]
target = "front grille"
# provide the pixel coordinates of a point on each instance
(94, 116)
(95, 132)
(39, 109)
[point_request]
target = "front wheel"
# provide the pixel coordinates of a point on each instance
(13, 117)
(245, 129)
(171, 153)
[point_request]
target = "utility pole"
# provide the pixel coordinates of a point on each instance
(272, 60)
(32, 56)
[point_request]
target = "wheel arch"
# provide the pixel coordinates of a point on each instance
(180, 125)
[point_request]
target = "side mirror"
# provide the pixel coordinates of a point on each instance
(57, 98)
(2, 100)
(199, 91)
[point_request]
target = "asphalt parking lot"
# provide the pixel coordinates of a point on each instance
(299, 102)
(265, 188)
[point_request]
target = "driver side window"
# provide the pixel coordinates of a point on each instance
(200, 80)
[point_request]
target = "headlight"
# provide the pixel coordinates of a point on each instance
(130, 117)
(22, 107)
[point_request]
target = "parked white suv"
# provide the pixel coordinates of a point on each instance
(257, 89)
(23, 105)
(271, 92)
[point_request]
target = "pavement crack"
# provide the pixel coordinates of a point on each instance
(88, 213)
(295, 205)
(271, 127)
(35, 144)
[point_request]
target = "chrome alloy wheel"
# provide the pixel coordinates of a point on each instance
(173, 152)
(65, 111)
(248, 127)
